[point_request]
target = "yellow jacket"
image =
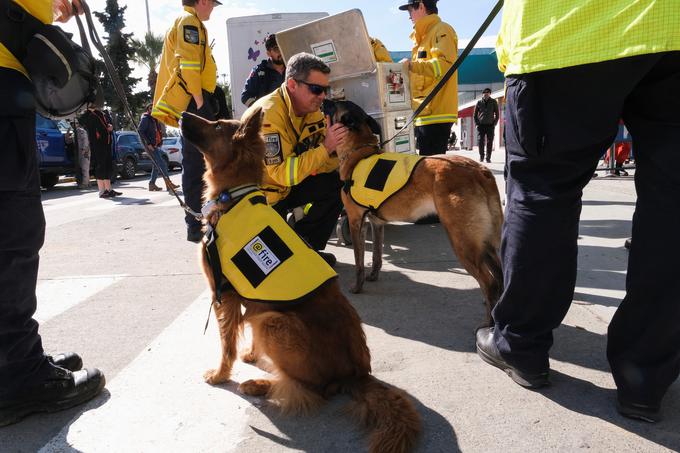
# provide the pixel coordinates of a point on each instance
(187, 67)
(380, 52)
(295, 147)
(435, 50)
(539, 35)
(41, 10)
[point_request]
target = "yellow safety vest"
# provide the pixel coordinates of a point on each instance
(263, 258)
(538, 35)
(435, 49)
(187, 67)
(41, 10)
(379, 176)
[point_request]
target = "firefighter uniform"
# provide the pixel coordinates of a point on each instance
(434, 51)
(298, 168)
(380, 51)
(187, 69)
(22, 221)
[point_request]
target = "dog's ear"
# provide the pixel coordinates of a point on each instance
(250, 126)
(349, 121)
(374, 126)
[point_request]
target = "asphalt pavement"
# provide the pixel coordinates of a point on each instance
(120, 285)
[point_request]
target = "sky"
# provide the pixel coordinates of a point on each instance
(383, 19)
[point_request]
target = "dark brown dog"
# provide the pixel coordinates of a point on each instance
(460, 191)
(318, 347)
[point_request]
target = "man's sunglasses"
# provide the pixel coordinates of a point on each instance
(315, 89)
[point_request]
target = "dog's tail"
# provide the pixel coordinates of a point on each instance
(493, 266)
(388, 413)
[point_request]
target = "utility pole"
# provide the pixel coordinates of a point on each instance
(148, 22)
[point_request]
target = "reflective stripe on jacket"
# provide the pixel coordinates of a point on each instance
(187, 67)
(435, 50)
(41, 10)
(294, 145)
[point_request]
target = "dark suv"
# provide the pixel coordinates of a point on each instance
(55, 157)
(130, 155)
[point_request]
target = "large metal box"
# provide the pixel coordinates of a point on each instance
(394, 87)
(340, 40)
(390, 123)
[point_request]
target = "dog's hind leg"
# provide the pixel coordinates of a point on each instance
(357, 228)
(378, 229)
(229, 323)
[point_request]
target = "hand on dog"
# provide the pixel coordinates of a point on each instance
(335, 135)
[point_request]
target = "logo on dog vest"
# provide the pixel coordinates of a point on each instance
(262, 255)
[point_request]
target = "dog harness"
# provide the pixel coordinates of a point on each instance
(379, 176)
(260, 255)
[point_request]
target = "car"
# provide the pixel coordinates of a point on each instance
(173, 146)
(55, 156)
(130, 155)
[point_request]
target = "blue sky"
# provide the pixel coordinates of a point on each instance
(383, 18)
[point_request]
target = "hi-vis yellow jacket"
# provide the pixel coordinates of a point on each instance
(263, 258)
(294, 145)
(187, 66)
(379, 176)
(41, 10)
(435, 50)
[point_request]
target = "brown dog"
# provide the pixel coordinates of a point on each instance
(317, 346)
(460, 191)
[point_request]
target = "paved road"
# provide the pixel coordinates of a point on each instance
(119, 284)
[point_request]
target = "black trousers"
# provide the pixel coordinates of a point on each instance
(433, 138)
(554, 141)
(323, 191)
(193, 166)
(22, 232)
(485, 134)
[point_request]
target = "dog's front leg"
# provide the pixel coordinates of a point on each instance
(358, 232)
(229, 322)
(378, 229)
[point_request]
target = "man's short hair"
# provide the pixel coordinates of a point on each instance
(430, 6)
(301, 64)
(270, 42)
(486, 90)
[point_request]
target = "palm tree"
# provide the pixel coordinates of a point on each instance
(148, 54)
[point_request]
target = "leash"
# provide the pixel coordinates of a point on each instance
(451, 71)
(120, 92)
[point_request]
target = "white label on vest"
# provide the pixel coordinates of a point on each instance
(262, 255)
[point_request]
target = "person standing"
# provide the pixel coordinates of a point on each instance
(83, 144)
(186, 81)
(266, 76)
(555, 137)
(100, 135)
(434, 51)
(486, 117)
(150, 129)
(300, 163)
(30, 381)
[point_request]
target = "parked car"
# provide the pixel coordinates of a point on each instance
(130, 155)
(173, 146)
(55, 157)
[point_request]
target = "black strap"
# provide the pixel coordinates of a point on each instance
(17, 28)
(347, 185)
(213, 256)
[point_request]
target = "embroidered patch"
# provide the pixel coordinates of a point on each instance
(273, 154)
(191, 34)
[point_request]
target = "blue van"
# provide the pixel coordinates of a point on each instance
(55, 157)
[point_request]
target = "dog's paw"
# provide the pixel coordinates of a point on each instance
(249, 357)
(373, 276)
(356, 288)
(213, 377)
(255, 387)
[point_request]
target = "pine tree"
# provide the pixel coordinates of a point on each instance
(119, 48)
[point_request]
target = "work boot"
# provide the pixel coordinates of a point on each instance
(328, 257)
(153, 187)
(59, 389)
(171, 186)
(69, 360)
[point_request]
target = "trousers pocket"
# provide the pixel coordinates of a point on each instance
(524, 115)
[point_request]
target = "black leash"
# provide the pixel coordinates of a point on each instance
(452, 69)
(118, 86)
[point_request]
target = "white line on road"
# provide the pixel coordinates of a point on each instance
(57, 295)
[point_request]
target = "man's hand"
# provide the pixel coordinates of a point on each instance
(335, 136)
(62, 10)
(198, 98)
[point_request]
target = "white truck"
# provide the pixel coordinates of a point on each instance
(245, 40)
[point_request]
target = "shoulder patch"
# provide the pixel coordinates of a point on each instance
(273, 154)
(191, 34)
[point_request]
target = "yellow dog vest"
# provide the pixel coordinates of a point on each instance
(263, 258)
(378, 177)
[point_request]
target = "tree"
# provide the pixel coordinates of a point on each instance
(121, 52)
(148, 53)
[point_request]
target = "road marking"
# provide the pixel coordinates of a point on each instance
(57, 295)
(159, 402)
